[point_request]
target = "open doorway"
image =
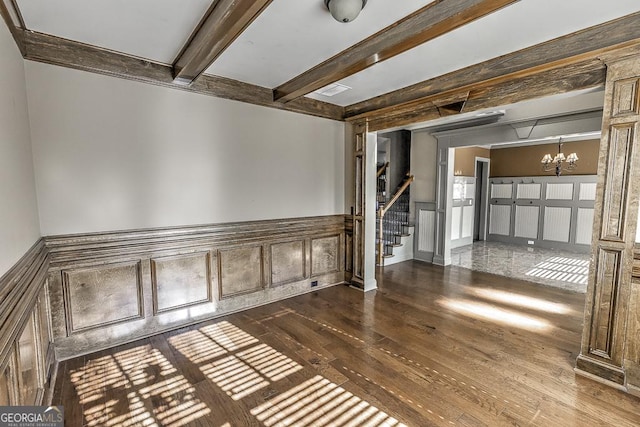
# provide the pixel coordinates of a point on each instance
(481, 199)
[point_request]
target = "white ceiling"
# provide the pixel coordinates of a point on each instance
(515, 27)
(152, 29)
(551, 106)
(292, 36)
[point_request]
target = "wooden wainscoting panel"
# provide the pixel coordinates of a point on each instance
(618, 168)
(625, 93)
(604, 307)
(19, 289)
(632, 355)
(102, 295)
(240, 270)
(238, 258)
(5, 388)
(348, 256)
(325, 255)
(28, 362)
(179, 281)
(8, 379)
(635, 267)
(288, 262)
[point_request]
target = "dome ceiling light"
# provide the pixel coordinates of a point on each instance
(345, 10)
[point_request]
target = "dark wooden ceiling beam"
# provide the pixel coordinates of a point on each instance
(12, 17)
(560, 52)
(433, 20)
(581, 76)
(224, 23)
(67, 53)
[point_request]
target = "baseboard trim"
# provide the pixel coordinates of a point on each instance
(594, 369)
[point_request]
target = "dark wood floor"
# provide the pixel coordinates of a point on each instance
(431, 347)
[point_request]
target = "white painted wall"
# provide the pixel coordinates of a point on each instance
(19, 228)
(112, 154)
(423, 167)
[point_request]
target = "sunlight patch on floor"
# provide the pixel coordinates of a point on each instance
(563, 269)
(494, 314)
(319, 402)
(523, 301)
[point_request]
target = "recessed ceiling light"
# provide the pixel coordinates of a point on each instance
(332, 89)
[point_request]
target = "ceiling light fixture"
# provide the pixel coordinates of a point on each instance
(345, 10)
(549, 163)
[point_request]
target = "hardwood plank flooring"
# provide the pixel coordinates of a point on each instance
(432, 346)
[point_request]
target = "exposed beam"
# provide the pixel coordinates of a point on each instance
(561, 52)
(67, 53)
(581, 76)
(225, 22)
(13, 18)
(433, 20)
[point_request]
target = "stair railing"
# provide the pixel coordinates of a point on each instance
(382, 169)
(383, 211)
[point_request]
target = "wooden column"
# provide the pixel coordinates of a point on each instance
(359, 181)
(364, 208)
(611, 340)
(444, 191)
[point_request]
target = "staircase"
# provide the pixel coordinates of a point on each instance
(394, 237)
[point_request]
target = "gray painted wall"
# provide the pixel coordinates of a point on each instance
(112, 154)
(19, 225)
(423, 167)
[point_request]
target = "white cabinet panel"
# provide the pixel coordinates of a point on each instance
(529, 191)
(560, 191)
(467, 221)
(527, 221)
(557, 224)
(500, 219)
(584, 227)
(501, 191)
(588, 191)
(456, 215)
(426, 238)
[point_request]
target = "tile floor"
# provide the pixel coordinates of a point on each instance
(550, 267)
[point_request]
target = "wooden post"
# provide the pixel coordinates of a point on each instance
(360, 158)
(611, 340)
(364, 215)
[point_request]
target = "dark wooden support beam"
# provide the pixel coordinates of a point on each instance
(66, 53)
(561, 52)
(433, 20)
(225, 22)
(12, 17)
(585, 75)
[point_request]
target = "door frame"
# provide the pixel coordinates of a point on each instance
(484, 196)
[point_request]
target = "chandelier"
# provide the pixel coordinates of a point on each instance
(559, 162)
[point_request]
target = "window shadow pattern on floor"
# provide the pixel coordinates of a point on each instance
(563, 269)
(141, 386)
